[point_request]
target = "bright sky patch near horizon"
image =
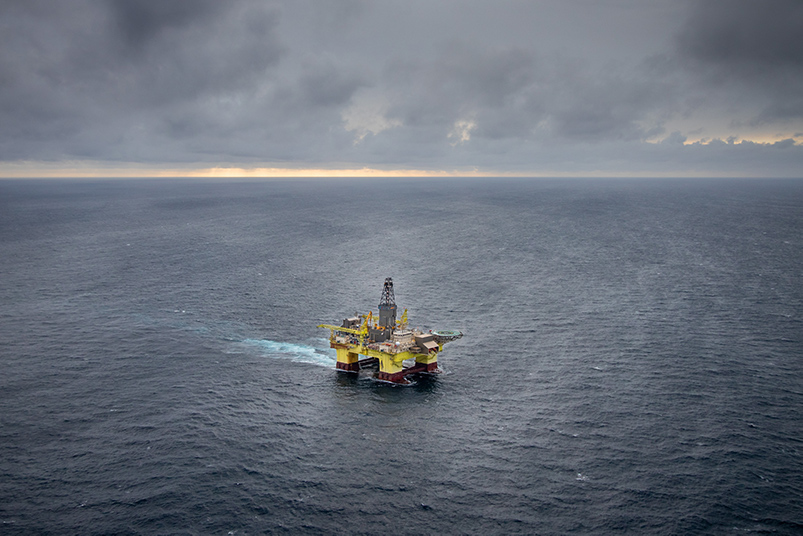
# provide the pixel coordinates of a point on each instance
(414, 88)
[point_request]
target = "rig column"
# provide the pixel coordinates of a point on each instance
(428, 363)
(346, 360)
(390, 371)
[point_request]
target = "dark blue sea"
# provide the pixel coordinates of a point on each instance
(632, 360)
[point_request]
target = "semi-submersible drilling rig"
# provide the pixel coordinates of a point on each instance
(388, 343)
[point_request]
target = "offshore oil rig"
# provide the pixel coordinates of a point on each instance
(388, 343)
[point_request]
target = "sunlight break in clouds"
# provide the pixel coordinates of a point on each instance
(462, 131)
(367, 115)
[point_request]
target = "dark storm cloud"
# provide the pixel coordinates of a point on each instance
(179, 50)
(765, 34)
(97, 71)
(140, 21)
(510, 85)
(752, 48)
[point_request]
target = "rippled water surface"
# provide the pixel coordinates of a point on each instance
(632, 359)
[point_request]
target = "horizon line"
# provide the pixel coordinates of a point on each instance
(29, 170)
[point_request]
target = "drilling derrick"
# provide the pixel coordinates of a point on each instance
(387, 306)
(387, 314)
(388, 344)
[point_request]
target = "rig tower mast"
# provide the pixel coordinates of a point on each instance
(387, 305)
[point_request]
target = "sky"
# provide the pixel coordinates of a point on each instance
(409, 87)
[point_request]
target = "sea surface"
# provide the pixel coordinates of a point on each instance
(632, 359)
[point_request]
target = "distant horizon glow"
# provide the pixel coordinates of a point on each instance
(88, 169)
(35, 170)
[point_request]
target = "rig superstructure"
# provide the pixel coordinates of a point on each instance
(387, 343)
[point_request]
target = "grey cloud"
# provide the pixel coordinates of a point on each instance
(751, 52)
(515, 93)
(457, 83)
(324, 84)
(675, 138)
(70, 69)
(611, 104)
(183, 51)
(763, 33)
(554, 84)
(140, 21)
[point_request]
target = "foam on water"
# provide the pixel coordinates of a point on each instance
(301, 353)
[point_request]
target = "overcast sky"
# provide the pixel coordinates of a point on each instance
(541, 87)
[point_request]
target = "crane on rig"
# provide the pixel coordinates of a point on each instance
(387, 343)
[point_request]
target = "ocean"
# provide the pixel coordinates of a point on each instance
(632, 359)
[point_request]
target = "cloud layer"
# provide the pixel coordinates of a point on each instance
(542, 87)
